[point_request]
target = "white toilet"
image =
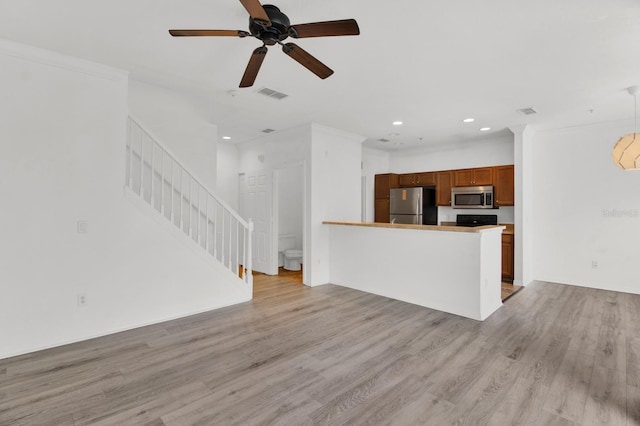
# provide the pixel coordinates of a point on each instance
(292, 259)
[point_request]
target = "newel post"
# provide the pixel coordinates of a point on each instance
(250, 253)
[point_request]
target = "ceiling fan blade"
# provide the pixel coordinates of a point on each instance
(306, 60)
(253, 66)
(208, 33)
(325, 29)
(256, 11)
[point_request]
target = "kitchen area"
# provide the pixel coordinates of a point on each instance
(440, 239)
(462, 197)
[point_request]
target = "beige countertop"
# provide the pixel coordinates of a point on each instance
(417, 227)
(508, 227)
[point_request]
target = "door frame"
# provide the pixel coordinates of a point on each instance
(242, 184)
(275, 207)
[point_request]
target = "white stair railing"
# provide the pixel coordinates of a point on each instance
(159, 179)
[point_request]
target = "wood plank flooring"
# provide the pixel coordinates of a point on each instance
(508, 289)
(552, 355)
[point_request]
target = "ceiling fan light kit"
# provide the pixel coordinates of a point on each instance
(269, 25)
(626, 152)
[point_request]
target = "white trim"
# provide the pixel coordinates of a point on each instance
(120, 330)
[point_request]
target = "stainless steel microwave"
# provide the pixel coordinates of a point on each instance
(472, 197)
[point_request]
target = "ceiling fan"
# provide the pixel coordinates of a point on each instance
(269, 25)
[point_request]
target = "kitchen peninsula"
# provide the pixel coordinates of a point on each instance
(448, 268)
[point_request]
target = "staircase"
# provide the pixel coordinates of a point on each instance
(158, 178)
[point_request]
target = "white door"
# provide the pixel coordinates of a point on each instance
(255, 204)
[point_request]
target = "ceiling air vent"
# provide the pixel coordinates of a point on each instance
(267, 131)
(527, 111)
(272, 93)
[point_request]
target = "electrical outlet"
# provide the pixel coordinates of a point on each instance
(594, 264)
(83, 227)
(82, 300)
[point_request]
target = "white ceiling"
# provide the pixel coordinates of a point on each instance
(427, 63)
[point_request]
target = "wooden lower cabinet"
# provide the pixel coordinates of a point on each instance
(507, 257)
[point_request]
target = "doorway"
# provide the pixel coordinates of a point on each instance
(255, 203)
(288, 218)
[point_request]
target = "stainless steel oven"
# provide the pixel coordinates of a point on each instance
(472, 197)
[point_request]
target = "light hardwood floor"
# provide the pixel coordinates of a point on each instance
(552, 355)
(508, 289)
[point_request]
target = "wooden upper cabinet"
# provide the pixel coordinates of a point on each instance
(383, 183)
(463, 177)
(501, 177)
(503, 192)
(483, 176)
(426, 178)
(473, 177)
(381, 211)
(406, 179)
(417, 179)
(444, 181)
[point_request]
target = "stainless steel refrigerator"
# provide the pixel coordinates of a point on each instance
(414, 206)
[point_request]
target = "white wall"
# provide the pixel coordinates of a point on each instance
(487, 152)
(228, 164)
(290, 193)
(62, 159)
(335, 186)
(585, 209)
(177, 125)
(524, 140)
(275, 150)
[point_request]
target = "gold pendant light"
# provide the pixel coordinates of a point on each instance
(626, 152)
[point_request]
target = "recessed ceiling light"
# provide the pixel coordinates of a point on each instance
(468, 120)
(393, 135)
(485, 129)
(226, 138)
(397, 123)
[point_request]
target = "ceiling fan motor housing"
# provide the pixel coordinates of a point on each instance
(270, 35)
